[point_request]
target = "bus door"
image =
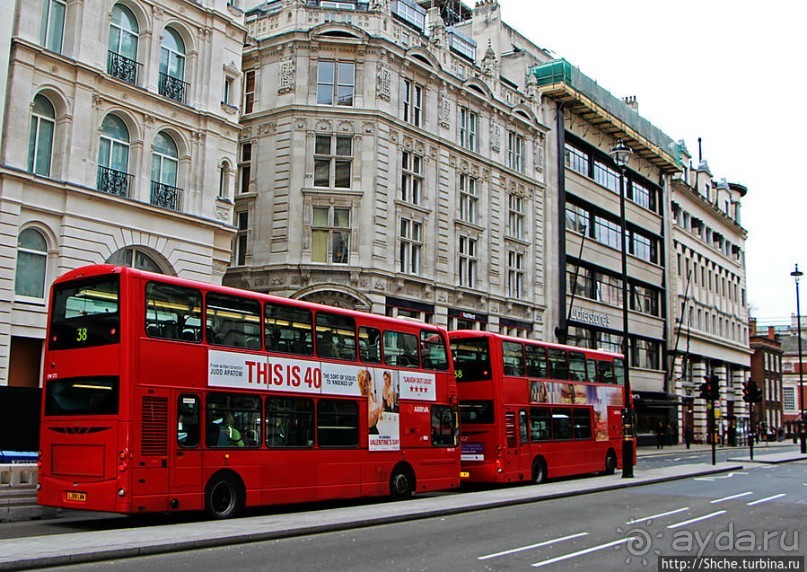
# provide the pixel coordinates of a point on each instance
(185, 443)
(518, 458)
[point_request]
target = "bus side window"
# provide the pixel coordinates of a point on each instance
(558, 364)
(536, 361)
(173, 312)
(188, 421)
(605, 372)
(236, 320)
(577, 366)
(369, 345)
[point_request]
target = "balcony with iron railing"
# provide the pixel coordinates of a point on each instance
(122, 67)
(166, 196)
(114, 182)
(173, 88)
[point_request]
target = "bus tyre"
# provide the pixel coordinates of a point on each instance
(401, 483)
(224, 496)
(610, 463)
(538, 471)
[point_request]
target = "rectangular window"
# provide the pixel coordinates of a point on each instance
(562, 423)
(468, 199)
(468, 120)
(433, 350)
(607, 233)
(576, 160)
(606, 176)
(289, 422)
(582, 423)
(330, 235)
(245, 167)
(336, 83)
(515, 274)
(540, 424)
(643, 196)
(337, 423)
(411, 178)
(333, 161)
(578, 219)
(645, 354)
(515, 148)
(558, 364)
(173, 312)
(249, 91)
(467, 262)
(52, 30)
(336, 336)
(513, 358)
(288, 329)
(515, 216)
(85, 315)
(411, 246)
(445, 432)
(401, 349)
(241, 238)
(233, 321)
(413, 103)
(228, 90)
(645, 300)
(233, 420)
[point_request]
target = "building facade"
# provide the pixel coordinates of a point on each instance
(794, 376)
(388, 166)
(118, 145)
(766, 371)
(709, 332)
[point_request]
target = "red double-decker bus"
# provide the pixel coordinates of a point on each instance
(162, 394)
(531, 410)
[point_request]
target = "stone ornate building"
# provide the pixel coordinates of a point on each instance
(118, 144)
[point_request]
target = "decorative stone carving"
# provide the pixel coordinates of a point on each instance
(286, 81)
(495, 136)
(383, 82)
(445, 111)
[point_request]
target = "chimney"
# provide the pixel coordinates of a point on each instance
(753, 326)
(771, 333)
(631, 102)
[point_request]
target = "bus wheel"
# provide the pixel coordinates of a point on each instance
(538, 471)
(224, 496)
(610, 463)
(401, 483)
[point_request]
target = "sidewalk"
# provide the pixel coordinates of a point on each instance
(759, 448)
(65, 549)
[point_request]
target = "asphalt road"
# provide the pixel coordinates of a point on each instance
(754, 512)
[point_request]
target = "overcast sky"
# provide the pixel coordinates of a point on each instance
(729, 71)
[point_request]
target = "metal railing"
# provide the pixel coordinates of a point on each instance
(173, 88)
(166, 196)
(122, 67)
(114, 182)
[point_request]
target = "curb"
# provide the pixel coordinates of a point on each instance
(246, 530)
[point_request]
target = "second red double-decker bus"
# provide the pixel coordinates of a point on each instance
(532, 410)
(163, 394)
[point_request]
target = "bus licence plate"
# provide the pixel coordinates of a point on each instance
(464, 474)
(77, 497)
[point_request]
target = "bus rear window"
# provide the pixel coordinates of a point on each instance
(85, 315)
(82, 396)
(471, 359)
(472, 412)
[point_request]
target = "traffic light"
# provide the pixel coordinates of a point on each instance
(710, 388)
(755, 391)
(747, 392)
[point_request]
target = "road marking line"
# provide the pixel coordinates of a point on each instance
(732, 497)
(752, 503)
(582, 552)
(652, 516)
(531, 546)
(704, 517)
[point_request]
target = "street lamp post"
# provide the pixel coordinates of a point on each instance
(621, 153)
(797, 274)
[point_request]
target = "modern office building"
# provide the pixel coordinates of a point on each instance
(118, 145)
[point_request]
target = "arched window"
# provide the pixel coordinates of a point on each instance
(52, 30)
(113, 157)
(40, 144)
(172, 66)
(224, 180)
(32, 262)
(135, 258)
(123, 37)
(164, 165)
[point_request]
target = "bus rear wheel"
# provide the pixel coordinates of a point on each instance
(538, 471)
(224, 497)
(610, 463)
(401, 483)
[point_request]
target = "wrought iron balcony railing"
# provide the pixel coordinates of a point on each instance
(173, 88)
(166, 196)
(114, 182)
(122, 67)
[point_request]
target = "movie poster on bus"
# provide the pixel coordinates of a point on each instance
(598, 399)
(381, 387)
(541, 392)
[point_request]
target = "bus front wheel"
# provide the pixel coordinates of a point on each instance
(224, 496)
(401, 483)
(538, 471)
